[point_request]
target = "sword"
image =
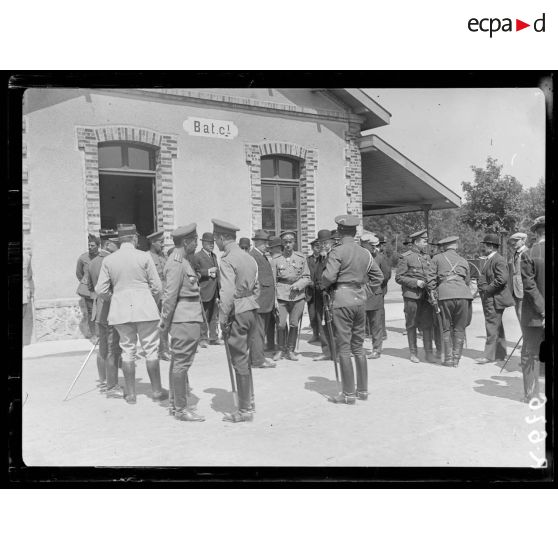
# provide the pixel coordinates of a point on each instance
(508, 359)
(434, 302)
(81, 369)
(226, 331)
(328, 320)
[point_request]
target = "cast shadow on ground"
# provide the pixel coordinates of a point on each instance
(503, 386)
(59, 355)
(223, 401)
(308, 354)
(321, 385)
(76, 395)
(396, 329)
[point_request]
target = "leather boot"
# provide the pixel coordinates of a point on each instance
(164, 353)
(244, 413)
(458, 347)
(427, 341)
(114, 391)
(291, 344)
(412, 340)
(154, 371)
(347, 396)
(448, 349)
(362, 377)
(129, 371)
(102, 371)
(281, 342)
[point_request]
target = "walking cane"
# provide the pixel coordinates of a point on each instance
(299, 328)
(81, 369)
(508, 359)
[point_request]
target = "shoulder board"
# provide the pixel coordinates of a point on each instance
(407, 253)
(177, 257)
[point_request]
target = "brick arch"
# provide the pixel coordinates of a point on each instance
(309, 160)
(88, 139)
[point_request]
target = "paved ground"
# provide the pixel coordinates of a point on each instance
(417, 415)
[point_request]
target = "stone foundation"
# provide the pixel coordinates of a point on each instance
(56, 320)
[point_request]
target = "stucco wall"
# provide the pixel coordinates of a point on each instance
(211, 176)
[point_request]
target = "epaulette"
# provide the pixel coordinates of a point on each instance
(177, 256)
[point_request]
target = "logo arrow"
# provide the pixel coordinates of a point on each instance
(519, 25)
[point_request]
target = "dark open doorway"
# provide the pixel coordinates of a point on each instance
(128, 199)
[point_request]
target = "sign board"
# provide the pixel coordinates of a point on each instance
(209, 128)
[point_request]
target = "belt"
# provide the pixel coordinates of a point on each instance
(348, 285)
(288, 281)
(193, 297)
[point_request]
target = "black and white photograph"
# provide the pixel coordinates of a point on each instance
(284, 277)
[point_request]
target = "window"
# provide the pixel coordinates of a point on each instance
(126, 156)
(280, 195)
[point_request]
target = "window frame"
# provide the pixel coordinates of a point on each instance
(124, 157)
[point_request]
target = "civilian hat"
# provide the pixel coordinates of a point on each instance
(491, 239)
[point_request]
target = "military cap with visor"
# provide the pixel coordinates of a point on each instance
(126, 229)
(157, 235)
(186, 231)
(274, 241)
(448, 240)
(223, 227)
(419, 234)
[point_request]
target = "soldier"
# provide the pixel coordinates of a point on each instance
(155, 242)
(324, 243)
(109, 347)
(335, 238)
(87, 325)
(414, 274)
(349, 268)
(244, 244)
(266, 301)
(517, 242)
(496, 297)
(375, 298)
(182, 313)
(237, 312)
(454, 295)
(205, 265)
(385, 265)
(129, 275)
(436, 248)
(292, 275)
(533, 312)
(310, 291)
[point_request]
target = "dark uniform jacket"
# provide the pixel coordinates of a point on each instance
(266, 300)
(81, 267)
(208, 285)
(493, 281)
(383, 263)
(239, 287)
(312, 263)
(452, 275)
(181, 296)
(349, 268)
(375, 298)
(532, 274)
(413, 265)
(101, 306)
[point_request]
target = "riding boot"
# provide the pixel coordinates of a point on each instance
(427, 341)
(114, 391)
(164, 353)
(412, 340)
(129, 371)
(281, 341)
(244, 412)
(291, 343)
(448, 351)
(362, 377)
(154, 372)
(102, 371)
(179, 409)
(458, 347)
(347, 396)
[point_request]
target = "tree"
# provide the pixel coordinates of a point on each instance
(533, 203)
(493, 202)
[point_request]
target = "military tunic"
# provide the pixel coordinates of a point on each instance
(182, 311)
(160, 260)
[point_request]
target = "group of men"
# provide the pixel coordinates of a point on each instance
(147, 297)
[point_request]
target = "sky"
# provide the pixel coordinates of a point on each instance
(445, 131)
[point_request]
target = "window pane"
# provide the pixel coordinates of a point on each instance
(288, 168)
(267, 168)
(139, 158)
(268, 196)
(268, 219)
(289, 219)
(110, 157)
(288, 196)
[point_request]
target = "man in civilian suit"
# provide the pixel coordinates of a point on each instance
(205, 265)
(312, 260)
(266, 301)
(496, 297)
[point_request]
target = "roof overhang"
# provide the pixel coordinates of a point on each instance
(392, 183)
(373, 114)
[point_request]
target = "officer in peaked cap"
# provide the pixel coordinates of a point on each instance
(239, 291)
(266, 301)
(129, 279)
(205, 264)
(348, 270)
(496, 297)
(155, 242)
(454, 295)
(335, 237)
(415, 275)
(182, 314)
(292, 276)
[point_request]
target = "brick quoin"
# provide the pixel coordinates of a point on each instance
(353, 176)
